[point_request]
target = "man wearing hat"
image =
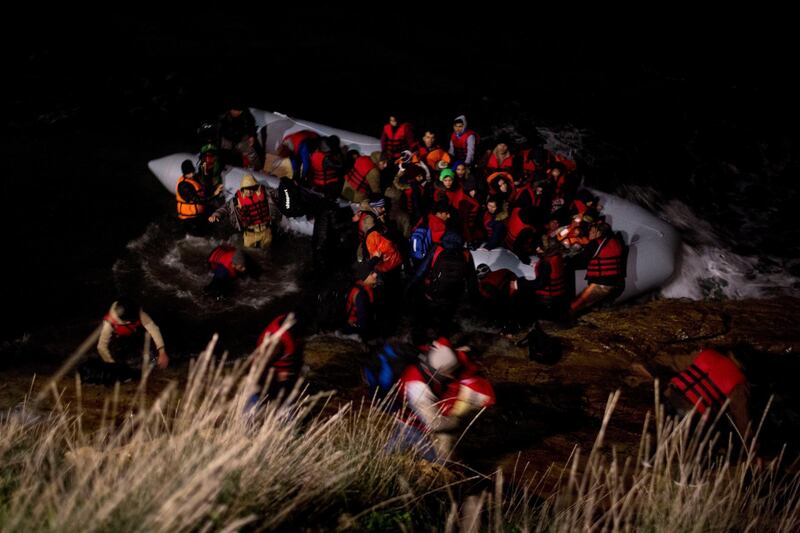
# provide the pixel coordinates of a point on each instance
(248, 212)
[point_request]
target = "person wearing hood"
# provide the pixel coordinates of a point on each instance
(500, 159)
(463, 141)
(124, 330)
(248, 211)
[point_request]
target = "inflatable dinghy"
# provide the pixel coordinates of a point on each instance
(653, 244)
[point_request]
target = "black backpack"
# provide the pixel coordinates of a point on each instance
(290, 198)
(542, 348)
(449, 275)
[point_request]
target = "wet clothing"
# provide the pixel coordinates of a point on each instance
(114, 327)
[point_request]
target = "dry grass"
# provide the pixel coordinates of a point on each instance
(197, 460)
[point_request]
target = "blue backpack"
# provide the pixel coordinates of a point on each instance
(384, 369)
(420, 242)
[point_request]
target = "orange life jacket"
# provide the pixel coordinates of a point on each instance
(186, 209)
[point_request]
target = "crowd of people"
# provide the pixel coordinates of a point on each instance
(419, 210)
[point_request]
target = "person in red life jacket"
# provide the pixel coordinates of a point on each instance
(605, 270)
(396, 137)
(463, 141)
(499, 159)
(450, 277)
(442, 392)
(298, 147)
(414, 193)
(226, 263)
(237, 138)
(360, 305)
(326, 167)
(585, 204)
(123, 331)
(521, 236)
(191, 200)
(248, 212)
(361, 178)
(284, 361)
(713, 377)
(552, 288)
(466, 207)
(494, 223)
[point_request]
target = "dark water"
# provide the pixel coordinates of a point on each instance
(699, 125)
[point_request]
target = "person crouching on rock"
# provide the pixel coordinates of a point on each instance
(125, 327)
(248, 211)
(605, 271)
(442, 390)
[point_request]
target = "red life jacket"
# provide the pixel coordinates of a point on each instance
(606, 261)
(518, 198)
(557, 286)
(223, 255)
(122, 329)
(294, 140)
(528, 165)
(396, 141)
(186, 209)
(492, 165)
(460, 144)
(437, 227)
(320, 174)
(352, 308)
(288, 346)
(497, 282)
(709, 380)
(357, 176)
(254, 210)
(515, 227)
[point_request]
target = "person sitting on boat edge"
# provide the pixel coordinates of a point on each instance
(248, 212)
(605, 271)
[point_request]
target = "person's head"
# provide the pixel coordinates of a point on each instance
(459, 125)
(187, 168)
(441, 358)
(235, 112)
(447, 177)
(460, 169)
(248, 185)
(502, 185)
(557, 170)
(501, 146)
(429, 139)
(482, 270)
(393, 121)
(491, 205)
(239, 261)
(127, 309)
(441, 209)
